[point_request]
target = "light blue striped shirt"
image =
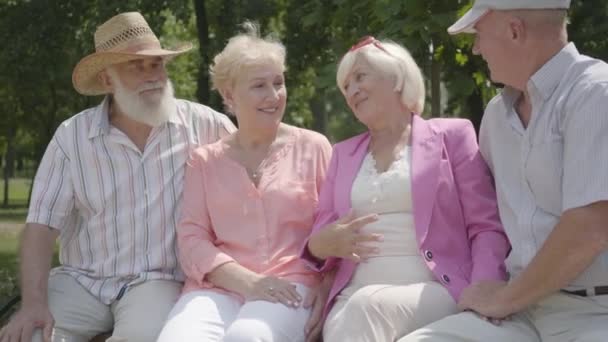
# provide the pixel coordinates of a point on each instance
(116, 207)
(559, 162)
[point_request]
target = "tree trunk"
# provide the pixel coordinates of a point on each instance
(8, 165)
(6, 180)
(202, 24)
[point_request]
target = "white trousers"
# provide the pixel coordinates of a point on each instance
(137, 317)
(559, 318)
(209, 316)
(383, 313)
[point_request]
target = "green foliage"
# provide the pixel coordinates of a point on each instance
(183, 70)
(588, 27)
(36, 93)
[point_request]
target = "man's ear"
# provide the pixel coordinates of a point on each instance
(105, 80)
(517, 29)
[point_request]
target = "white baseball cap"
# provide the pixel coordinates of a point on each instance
(467, 22)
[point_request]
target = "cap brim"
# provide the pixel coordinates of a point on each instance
(466, 24)
(84, 76)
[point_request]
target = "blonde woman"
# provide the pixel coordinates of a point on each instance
(408, 212)
(249, 203)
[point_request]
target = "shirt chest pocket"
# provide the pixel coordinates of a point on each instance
(543, 172)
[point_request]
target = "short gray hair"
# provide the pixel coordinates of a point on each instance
(391, 59)
(245, 50)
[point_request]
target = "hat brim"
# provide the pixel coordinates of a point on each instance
(84, 76)
(466, 24)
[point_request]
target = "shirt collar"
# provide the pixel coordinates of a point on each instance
(101, 122)
(548, 77)
(101, 118)
(177, 118)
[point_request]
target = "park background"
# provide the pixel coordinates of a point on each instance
(42, 40)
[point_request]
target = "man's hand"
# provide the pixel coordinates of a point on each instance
(317, 298)
(29, 318)
(487, 298)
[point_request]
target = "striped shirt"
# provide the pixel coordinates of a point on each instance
(115, 206)
(559, 162)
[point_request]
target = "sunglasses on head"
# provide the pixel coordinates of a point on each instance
(367, 40)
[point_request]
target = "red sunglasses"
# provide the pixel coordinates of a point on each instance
(367, 40)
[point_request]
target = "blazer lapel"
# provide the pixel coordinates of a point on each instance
(426, 155)
(350, 163)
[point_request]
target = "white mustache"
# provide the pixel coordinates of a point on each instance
(151, 86)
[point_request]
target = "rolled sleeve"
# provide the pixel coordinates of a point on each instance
(198, 255)
(52, 201)
(585, 179)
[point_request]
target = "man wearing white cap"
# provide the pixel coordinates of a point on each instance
(109, 186)
(545, 138)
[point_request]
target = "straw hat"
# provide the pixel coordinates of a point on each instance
(124, 37)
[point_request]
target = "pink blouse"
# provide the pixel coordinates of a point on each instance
(225, 218)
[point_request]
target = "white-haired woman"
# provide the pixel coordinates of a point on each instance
(248, 205)
(408, 211)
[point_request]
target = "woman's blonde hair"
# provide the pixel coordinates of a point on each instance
(393, 60)
(245, 50)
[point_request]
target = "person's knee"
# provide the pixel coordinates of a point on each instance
(136, 333)
(365, 303)
(249, 331)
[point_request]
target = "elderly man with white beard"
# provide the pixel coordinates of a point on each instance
(109, 187)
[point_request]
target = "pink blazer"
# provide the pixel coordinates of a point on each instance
(455, 214)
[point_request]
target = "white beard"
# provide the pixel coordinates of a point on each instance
(153, 109)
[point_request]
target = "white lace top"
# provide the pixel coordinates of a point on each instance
(388, 194)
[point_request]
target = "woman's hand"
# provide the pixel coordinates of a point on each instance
(274, 290)
(254, 286)
(343, 239)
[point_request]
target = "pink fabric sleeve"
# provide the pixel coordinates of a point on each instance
(489, 243)
(198, 254)
(324, 215)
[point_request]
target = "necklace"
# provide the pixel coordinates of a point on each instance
(255, 173)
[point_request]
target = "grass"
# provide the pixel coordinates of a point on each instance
(11, 218)
(16, 211)
(12, 215)
(9, 243)
(18, 191)
(9, 269)
(9, 264)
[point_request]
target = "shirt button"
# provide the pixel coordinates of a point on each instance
(428, 255)
(445, 278)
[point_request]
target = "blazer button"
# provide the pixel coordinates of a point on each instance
(428, 255)
(445, 278)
